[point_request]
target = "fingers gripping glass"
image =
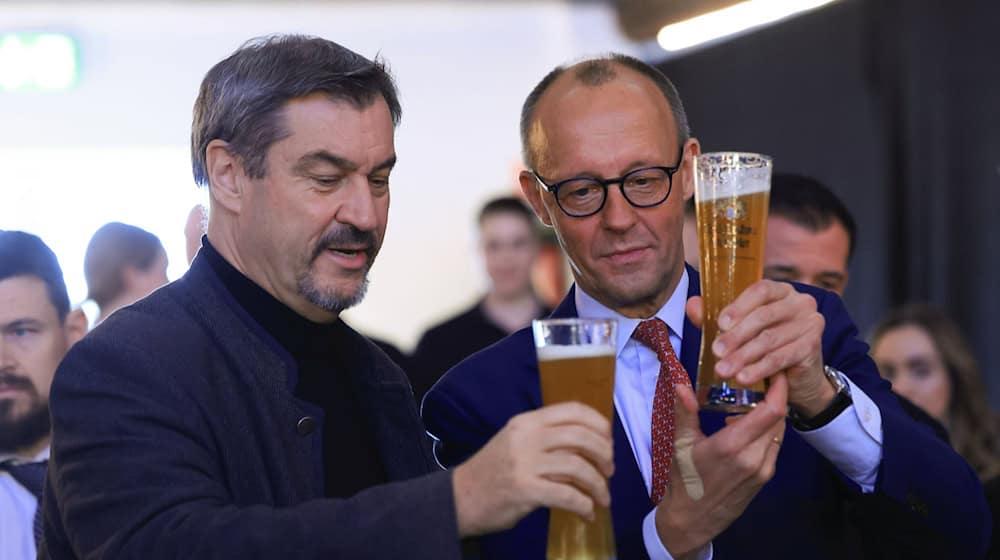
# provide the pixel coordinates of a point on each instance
(585, 196)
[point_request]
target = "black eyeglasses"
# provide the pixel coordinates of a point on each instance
(646, 187)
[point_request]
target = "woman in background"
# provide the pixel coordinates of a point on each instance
(123, 264)
(922, 352)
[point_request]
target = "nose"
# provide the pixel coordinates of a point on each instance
(359, 206)
(617, 214)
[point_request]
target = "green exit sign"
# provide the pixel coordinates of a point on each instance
(38, 61)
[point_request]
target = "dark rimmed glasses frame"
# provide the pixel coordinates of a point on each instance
(649, 186)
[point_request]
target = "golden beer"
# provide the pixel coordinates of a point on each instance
(582, 369)
(731, 192)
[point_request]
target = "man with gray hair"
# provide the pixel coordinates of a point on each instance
(231, 414)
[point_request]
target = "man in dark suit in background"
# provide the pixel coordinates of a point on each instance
(611, 164)
(231, 414)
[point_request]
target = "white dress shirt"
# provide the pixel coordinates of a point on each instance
(17, 515)
(852, 441)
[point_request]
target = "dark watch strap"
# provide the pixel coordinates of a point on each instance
(840, 402)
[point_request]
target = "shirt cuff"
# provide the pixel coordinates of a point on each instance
(654, 546)
(853, 440)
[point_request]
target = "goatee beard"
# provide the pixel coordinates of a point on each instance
(330, 300)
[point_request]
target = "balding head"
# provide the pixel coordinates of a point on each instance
(592, 73)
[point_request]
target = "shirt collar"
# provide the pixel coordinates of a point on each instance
(43, 455)
(672, 313)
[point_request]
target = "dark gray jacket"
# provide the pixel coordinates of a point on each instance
(176, 434)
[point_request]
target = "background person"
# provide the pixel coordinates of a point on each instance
(810, 234)
(921, 350)
(37, 328)
(122, 265)
(509, 244)
(811, 237)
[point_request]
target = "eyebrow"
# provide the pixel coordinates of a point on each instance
(837, 276)
(919, 360)
(638, 164)
(783, 268)
(323, 156)
(21, 323)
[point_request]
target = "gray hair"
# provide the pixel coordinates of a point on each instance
(241, 98)
(594, 72)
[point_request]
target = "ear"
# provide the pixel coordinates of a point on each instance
(75, 325)
(533, 192)
(692, 148)
(224, 172)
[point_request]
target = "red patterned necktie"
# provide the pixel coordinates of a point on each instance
(655, 335)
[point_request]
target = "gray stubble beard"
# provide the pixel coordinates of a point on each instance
(329, 300)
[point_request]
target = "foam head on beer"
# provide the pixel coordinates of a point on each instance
(548, 353)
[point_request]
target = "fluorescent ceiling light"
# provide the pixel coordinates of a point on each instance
(727, 21)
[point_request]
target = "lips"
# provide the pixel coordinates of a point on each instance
(627, 255)
(350, 251)
(350, 257)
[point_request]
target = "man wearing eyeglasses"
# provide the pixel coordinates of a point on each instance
(610, 157)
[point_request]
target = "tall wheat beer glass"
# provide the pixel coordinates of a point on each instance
(576, 362)
(731, 196)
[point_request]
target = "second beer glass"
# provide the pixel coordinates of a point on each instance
(576, 362)
(731, 196)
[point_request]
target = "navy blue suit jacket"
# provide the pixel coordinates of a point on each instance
(801, 513)
(177, 434)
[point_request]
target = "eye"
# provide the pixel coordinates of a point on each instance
(921, 370)
(580, 190)
(379, 183)
(328, 181)
(21, 332)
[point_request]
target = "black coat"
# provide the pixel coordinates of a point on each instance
(176, 434)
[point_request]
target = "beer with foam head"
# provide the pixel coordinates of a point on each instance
(576, 362)
(731, 201)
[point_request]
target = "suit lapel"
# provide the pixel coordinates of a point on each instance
(567, 307)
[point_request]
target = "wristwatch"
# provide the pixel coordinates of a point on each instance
(840, 402)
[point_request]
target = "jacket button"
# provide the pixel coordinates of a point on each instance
(306, 425)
